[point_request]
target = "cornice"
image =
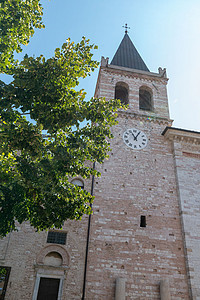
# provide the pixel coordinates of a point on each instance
(46, 267)
(141, 117)
(132, 73)
(182, 135)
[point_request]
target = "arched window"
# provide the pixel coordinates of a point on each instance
(78, 182)
(145, 99)
(121, 92)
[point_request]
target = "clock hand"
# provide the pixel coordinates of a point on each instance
(137, 135)
(134, 137)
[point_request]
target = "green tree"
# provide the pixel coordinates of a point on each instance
(18, 18)
(35, 169)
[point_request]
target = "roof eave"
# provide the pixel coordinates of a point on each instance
(172, 133)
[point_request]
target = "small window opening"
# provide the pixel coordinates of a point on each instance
(121, 92)
(56, 237)
(145, 99)
(4, 276)
(143, 221)
(78, 182)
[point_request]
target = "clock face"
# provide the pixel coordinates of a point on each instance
(135, 139)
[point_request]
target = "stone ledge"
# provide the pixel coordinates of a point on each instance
(134, 73)
(152, 118)
(178, 134)
(45, 267)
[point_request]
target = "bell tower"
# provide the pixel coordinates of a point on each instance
(128, 78)
(136, 247)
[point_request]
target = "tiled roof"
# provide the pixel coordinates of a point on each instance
(128, 56)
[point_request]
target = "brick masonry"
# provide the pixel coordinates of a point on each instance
(25, 247)
(187, 162)
(24, 250)
(135, 183)
(159, 182)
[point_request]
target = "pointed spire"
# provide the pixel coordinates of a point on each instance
(128, 56)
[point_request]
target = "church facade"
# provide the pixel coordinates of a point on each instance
(143, 239)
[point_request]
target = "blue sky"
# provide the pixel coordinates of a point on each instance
(165, 32)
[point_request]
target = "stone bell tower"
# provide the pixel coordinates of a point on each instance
(136, 247)
(143, 239)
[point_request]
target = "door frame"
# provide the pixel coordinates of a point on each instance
(37, 283)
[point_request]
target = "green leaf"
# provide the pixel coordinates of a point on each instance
(35, 169)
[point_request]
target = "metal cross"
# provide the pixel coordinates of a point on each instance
(126, 27)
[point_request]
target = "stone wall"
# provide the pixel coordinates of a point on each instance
(24, 251)
(159, 182)
(187, 160)
(135, 184)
